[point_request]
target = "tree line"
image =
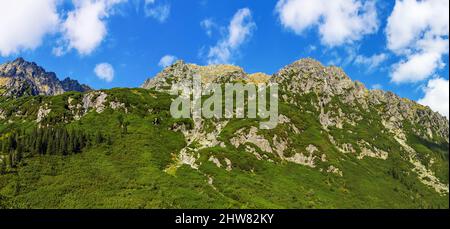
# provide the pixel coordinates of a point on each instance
(58, 140)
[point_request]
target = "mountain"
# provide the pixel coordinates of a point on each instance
(19, 77)
(69, 84)
(337, 145)
(181, 72)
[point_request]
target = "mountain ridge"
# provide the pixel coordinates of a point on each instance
(229, 73)
(20, 77)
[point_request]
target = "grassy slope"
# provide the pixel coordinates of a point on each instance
(129, 173)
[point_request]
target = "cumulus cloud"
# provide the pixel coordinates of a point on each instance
(338, 21)
(85, 26)
(24, 23)
(167, 60)
(437, 96)
(417, 31)
(160, 12)
(421, 64)
(371, 62)
(104, 71)
(240, 30)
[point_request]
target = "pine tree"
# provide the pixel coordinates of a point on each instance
(2, 165)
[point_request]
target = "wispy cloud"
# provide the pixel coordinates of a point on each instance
(157, 10)
(240, 29)
(371, 62)
(208, 25)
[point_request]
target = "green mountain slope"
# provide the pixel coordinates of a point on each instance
(337, 145)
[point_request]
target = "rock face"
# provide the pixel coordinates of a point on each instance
(19, 78)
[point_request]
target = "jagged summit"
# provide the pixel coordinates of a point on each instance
(18, 60)
(21, 68)
(69, 84)
(20, 77)
(181, 72)
(308, 61)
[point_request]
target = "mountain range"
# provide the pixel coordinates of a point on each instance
(337, 144)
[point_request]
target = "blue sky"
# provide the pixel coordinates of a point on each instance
(120, 43)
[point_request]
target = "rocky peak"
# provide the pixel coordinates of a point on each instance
(69, 84)
(19, 60)
(25, 69)
(181, 72)
(20, 77)
(308, 75)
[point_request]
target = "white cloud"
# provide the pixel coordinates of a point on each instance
(85, 26)
(167, 60)
(421, 64)
(338, 21)
(410, 19)
(311, 48)
(58, 51)
(104, 71)
(240, 30)
(377, 87)
(24, 23)
(160, 12)
(418, 31)
(437, 96)
(208, 25)
(371, 62)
